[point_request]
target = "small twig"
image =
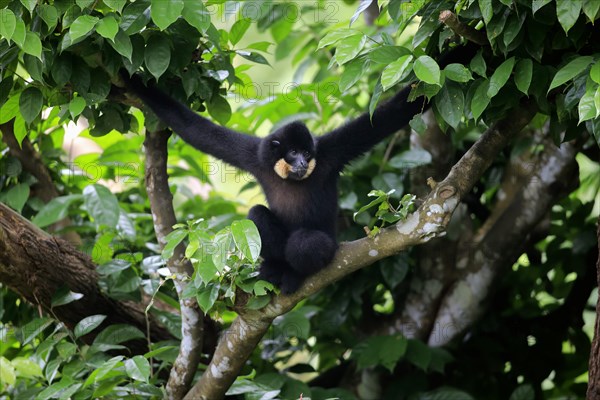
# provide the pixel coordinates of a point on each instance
(451, 20)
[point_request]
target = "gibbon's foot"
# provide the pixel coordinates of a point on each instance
(309, 251)
(271, 271)
(291, 281)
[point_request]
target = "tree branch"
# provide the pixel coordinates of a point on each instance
(500, 240)
(35, 265)
(192, 319)
(451, 20)
(427, 222)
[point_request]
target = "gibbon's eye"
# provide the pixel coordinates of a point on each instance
(293, 153)
(306, 154)
(275, 143)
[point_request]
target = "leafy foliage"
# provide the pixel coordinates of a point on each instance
(60, 63)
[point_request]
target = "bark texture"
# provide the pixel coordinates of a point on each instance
(35, 265)
(593, 391)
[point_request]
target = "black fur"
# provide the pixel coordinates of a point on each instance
(298, 231)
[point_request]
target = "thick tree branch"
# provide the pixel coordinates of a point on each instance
(451, 20)
(500, 240)
(192, 322)
(427, 222)
(35, 265)
(593, 391)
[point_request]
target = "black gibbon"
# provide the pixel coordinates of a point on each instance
(298, 173)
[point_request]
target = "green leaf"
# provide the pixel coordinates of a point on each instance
(348, 48)
(568, 12)
(487, 10)
(122, 44)
(337, 35)
(82, 26)
(102, 205)
(32, 329)
(103, 370)
(375, 97)
(380, 350)
(118, 333)
(158, 54)
(427, 70)
(478, 65)
(523, 75)
(116, 5)
(597, 101)
(238, 29)
(352, 73)
(523, 392)
(595, 70)
(258, 302)
(206, 268)
(196, 14)
(33, 45)
(587, 105)
(458, 73)
(10, 109)
(396, 71)
(387, 54)
(219, 109)
(49, 14)
(480, 100)
(17, 196)
(26, 368)
(591, 8)
(418, 353)
(138, 368)
(252, 56)
(19, 34)
(20, 128)
(293, 324)
(136, 16)
(538, 4)
(8, 23)
(450, 102)
(29, 5)
(500, 77)
(7, 372)
(172, 241)
(164, 13)
(30, 103)
(83, 4)
(571, 70)
(513, 27)
(207, 297)
(88, 324)
(65, 296)
(108, 27)
(410, 159)
(246, 238)
(55, 210)
(76, 106)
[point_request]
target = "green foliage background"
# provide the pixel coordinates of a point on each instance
(59, 63)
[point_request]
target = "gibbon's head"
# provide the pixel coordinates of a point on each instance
(291, 151)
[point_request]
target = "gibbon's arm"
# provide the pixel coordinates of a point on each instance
(351, 140)
(230, 146)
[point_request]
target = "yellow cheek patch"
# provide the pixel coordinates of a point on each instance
(283, 169)
(311, 167)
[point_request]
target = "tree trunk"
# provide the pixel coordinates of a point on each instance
(35, 265)
(593, 392)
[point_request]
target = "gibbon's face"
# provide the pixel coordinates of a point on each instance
(293, 150)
